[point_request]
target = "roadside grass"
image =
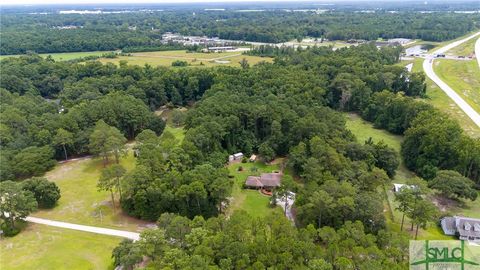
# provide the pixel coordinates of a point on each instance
(465, 49)
(442, 102)
(446, 42)
(251, 201)
(81, 202)
(463, 77)
(166, 58)
(42, 247)
(64, 56)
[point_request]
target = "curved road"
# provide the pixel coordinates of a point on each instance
(428, 68)
(125, 234)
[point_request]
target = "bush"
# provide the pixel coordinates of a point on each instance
(179, 63)
(244, 160)
(46, 193)
(9, 231)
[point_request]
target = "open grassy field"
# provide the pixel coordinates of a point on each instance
(441, 101)
(250, 201)
(463, 77)
(165, 58)
(65, 56)
(364, 130)
(81, 202)
(42, 247)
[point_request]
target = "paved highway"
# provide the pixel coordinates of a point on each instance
(428, 68)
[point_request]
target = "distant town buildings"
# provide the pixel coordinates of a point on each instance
(463, 227)
(214, 44)
(401, 41)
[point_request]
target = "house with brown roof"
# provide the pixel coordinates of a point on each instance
(264, 181)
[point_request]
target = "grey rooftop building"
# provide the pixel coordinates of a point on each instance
(463, 227)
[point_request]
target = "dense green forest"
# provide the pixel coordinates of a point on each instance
(142, 30)
(51, 110)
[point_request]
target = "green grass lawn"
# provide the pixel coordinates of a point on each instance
(81, 202)
(65, 56)
(364, 130)
(165, 58)
(465, 49)
(178, 132)
(463, 77)
(441, 101)
(250, 201)
(42, 247)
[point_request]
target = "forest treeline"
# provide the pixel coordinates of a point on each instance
(292, 107)
(41, 98)
(140, 31)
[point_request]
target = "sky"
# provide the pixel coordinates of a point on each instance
(43, 2)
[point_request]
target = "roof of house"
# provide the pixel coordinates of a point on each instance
(254, 181)
(464, 226)
(239, 154)
(264, 180)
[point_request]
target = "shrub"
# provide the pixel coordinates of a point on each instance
(179, 63)
(46, 193)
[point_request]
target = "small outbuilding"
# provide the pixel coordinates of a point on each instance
(398, 187)
(237, 156)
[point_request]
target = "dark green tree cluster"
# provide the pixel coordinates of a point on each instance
(168, 179)
(45, 192)
(453, 185)
(49, 109)
(383, 94)
(436, 142)
(141, 31)
(241, 242)
(19, 199)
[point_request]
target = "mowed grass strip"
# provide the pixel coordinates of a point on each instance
(440, 100)
(43, 247)
(81, 202)
(463, 77)
(464, 49)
